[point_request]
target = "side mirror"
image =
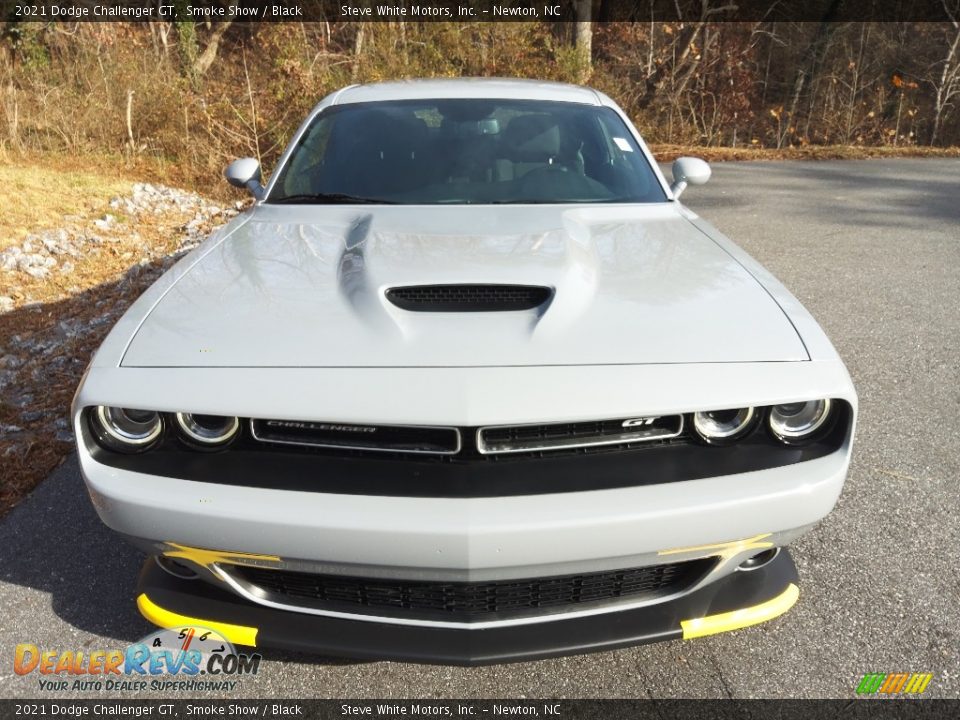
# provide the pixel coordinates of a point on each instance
(245, 173)
(688, 171)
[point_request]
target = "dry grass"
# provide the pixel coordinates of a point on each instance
(38, 197)
(667, 153)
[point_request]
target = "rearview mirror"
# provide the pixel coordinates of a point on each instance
(688, 171)
(245, 173)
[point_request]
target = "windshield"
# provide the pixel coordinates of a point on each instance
(424, 152)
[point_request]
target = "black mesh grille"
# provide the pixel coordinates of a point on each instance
(466, 601)
(468, 298)
(364, 438)
(558, 436)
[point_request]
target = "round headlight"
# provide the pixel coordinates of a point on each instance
(795, 422)
(722, 426)
(208, 430)
(125, 429)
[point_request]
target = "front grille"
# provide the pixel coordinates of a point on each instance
(469, 444)
(417, 439)
(468, 298)
(560, 436)
(475, 601)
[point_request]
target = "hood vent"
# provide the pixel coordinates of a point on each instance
(469, 298)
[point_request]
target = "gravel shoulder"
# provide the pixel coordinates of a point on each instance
(872, 249)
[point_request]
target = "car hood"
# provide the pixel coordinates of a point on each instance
(305, 287)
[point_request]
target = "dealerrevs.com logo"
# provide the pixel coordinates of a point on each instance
(189, 659)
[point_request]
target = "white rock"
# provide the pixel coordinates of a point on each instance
(37, 272)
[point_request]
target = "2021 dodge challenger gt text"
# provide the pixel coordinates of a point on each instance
(467, 384)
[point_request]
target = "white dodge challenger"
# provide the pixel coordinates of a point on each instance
(468, 384)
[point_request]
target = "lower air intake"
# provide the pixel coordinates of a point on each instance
(473, 601)
(469, 298)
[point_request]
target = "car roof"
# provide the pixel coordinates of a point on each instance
(443, 88)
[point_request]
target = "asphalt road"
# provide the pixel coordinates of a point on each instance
(872, 248)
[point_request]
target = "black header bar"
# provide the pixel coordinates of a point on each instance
(477, 10)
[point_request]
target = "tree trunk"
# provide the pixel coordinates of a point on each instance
(947, 86)
(357, 52)
(584, 38)
(666, 70)
(209, 54)
(130, 141)
(811, 61)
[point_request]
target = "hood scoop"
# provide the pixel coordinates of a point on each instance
(469, 298)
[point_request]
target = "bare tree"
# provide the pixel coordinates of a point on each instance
(684, 59)
(584, 37)
(810, 64)
(946, 83)
(357, 51)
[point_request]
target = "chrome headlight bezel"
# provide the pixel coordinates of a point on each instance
(117, 429)
(716, 432)
(817, 419)
(196, 433)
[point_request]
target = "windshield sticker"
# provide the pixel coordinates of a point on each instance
(623, 144)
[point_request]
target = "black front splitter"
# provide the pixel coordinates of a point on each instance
(773, 587)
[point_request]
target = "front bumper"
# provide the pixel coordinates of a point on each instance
(470, 539)
(738, 600)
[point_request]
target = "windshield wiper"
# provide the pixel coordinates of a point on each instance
(329, 199)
